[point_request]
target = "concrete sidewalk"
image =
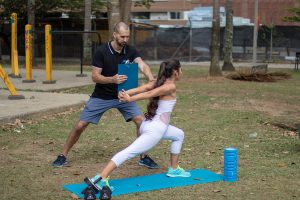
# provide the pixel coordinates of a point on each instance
(42, 102)
(64, 79)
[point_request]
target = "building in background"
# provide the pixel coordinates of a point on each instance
(176, 12)
(201, 17)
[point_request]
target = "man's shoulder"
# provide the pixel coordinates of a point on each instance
(131, 48)
(103, 46)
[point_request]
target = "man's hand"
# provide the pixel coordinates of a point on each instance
(118, 79)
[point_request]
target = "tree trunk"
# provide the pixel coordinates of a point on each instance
(227, 65)
(87, 43)
(113, 15)
(125, 10)
(214, 69)
(31, 21)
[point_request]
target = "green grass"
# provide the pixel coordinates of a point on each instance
(214, 113)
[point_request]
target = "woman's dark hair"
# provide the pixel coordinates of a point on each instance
(165, 71)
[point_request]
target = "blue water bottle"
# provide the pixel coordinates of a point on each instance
(230, 164)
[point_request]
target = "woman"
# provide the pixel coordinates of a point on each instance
(155, 127)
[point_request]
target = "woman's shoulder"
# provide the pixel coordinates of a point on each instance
(171, 85)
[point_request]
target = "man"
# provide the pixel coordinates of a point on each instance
(105, 95)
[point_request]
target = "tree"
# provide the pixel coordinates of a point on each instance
(295, 15)
(227, 50)
(214, 69)
(113, 14)
(87, 43)
(125, 7)
(119, 10)
(31, 21)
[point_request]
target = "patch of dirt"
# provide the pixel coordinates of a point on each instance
(18, 124)
(249, 75)
(275, 109)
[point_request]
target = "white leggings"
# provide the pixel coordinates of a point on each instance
(151, 134)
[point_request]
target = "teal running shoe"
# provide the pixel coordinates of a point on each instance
(179, 172)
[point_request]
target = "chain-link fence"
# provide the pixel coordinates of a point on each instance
(162, 43)
(194, 44)
(67, 41)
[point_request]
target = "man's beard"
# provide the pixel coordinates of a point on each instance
(122, 44)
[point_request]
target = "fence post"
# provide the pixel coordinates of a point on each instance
(28, 54)
(48, 55)
(191, 43)
(81, 58)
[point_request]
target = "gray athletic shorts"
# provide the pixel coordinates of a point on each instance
(95, 108)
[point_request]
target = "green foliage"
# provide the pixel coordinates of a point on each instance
(295, 15)
(44, 7)
(146, 3)
(20, 6)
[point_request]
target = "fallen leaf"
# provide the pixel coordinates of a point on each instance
(253, 135)
(281, 165)
(16, 130)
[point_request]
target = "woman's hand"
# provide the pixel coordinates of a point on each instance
(123, 96)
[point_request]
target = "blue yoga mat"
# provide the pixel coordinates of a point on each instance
(151, 182)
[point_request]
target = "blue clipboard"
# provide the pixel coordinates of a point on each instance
(131, 71)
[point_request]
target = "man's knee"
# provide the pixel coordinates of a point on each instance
(80, 126)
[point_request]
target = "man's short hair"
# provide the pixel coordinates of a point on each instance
(120, 25)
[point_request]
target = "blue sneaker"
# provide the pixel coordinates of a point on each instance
(60, 161)
(105, 193)
(179, 172)
(148, 162)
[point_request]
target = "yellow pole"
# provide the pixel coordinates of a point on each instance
(13, 40)
(9, 85)
(48, 54)
(14, 51)
(28, 54)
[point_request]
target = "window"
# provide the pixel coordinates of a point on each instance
(159, 16)
(141, 15)
(176, 15)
